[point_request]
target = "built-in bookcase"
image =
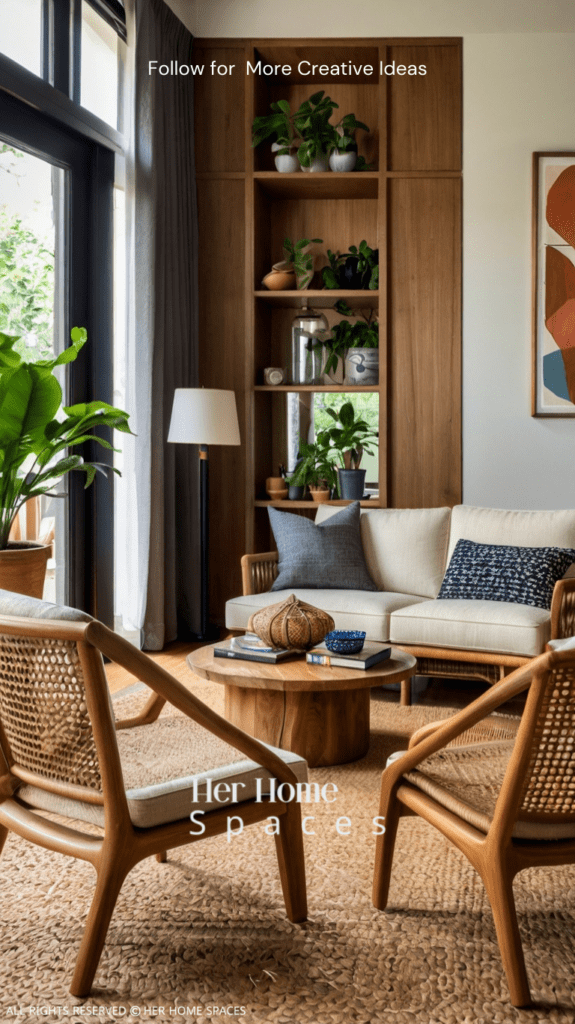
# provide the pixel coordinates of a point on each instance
(408, 205)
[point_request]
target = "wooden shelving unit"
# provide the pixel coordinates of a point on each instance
(408, 205)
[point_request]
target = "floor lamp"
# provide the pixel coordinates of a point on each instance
(204, 416)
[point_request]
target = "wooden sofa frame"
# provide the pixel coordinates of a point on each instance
(259, 572)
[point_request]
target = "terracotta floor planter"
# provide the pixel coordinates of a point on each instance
(23, 567)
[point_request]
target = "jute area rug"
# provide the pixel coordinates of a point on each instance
(205, 936)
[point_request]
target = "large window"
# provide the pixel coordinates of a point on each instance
(57, 166)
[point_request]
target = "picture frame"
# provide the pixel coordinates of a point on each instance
(553, 285)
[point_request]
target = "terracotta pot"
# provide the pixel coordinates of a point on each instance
(23, 567)
(319, 494)
(276, 485)
(279, 495)
(279, 279)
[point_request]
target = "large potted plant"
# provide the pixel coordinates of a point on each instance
(350, 437)
(315, 470)
(36, 438)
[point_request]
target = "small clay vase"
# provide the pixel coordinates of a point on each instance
(276, 487)
(280, 278)
(319, 495)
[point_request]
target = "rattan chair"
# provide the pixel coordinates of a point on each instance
(506, 805)
(59, 752)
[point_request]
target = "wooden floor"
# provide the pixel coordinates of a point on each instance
(172, 658)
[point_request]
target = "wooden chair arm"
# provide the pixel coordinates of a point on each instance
(563, 609)
(259, 572)
(433, 737)
(171, 690)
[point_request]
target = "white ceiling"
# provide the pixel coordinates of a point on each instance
(309, 18)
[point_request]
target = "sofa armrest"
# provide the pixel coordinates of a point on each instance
(563, 609)
(259, 572)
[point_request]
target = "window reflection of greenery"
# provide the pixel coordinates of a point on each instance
(366, 405)
(26, 275)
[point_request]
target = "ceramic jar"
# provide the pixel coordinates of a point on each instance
(286, 163)
(345, 161)
(362, 366)
(318, 164)
(281, 277)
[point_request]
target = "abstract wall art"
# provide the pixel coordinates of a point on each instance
(553, 389)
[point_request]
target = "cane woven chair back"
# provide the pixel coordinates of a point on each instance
(44, 713)
(549, 788)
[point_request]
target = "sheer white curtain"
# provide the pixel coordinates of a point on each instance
(157, 554)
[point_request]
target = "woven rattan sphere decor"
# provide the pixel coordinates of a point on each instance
(292, 623)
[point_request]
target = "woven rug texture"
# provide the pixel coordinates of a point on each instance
(204, 936)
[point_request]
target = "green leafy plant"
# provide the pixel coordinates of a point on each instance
(35, 430)
(280, 123)
(343, 138)
(316, 468)
(312, 122)
(350, 437)
(299, 260)
(356, 269)
(364, 333)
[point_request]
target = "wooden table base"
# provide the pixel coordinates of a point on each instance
(329, 727)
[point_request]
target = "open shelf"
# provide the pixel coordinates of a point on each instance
(370, 503)
(320, 185)
(321, 298)
(335, 388)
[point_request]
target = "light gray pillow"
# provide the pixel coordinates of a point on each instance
(325, 556)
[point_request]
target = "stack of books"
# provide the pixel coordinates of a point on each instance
(250, 648)
(371, 653)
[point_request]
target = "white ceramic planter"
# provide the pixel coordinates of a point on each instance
(319, 164)
(286, 163)
(342, 161)
(362, 366)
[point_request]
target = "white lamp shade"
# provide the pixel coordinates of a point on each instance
(204, 416)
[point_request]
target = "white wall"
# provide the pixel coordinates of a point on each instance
(519, 84)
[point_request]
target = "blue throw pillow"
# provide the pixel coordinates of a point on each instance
(326, 556)
(502, 572)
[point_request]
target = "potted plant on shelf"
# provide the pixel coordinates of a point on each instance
(281, 124)
(343, 153)
(357, 269)
(36, 435)
(312, 122)
(349, 438)
(315, 469)
(356, 344)
(297, 267)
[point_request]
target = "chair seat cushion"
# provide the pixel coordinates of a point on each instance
(350, 609)
(466, 780)
(163, 764)
(473, 625)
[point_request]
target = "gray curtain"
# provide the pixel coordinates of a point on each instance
(160, 542)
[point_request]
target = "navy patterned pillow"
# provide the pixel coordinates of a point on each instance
(502, 572)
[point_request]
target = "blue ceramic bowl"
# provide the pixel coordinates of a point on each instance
(344, 641)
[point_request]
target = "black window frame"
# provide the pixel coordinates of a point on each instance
(43, 116)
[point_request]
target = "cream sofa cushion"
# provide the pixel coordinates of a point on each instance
(350, 609)
(503, 526)
(473, 625)
(160, 764)
(405, 548)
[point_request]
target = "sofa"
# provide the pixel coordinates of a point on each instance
(407, 552)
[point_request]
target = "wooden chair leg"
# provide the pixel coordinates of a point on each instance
(405, 693)
(108, 885)
(162, 857)
(499, 885)
(3, 835)
(390, 810)
(289, 849)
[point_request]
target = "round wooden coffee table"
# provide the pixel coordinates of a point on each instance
(320, 713)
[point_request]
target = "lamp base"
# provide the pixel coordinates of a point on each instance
(208, 636)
